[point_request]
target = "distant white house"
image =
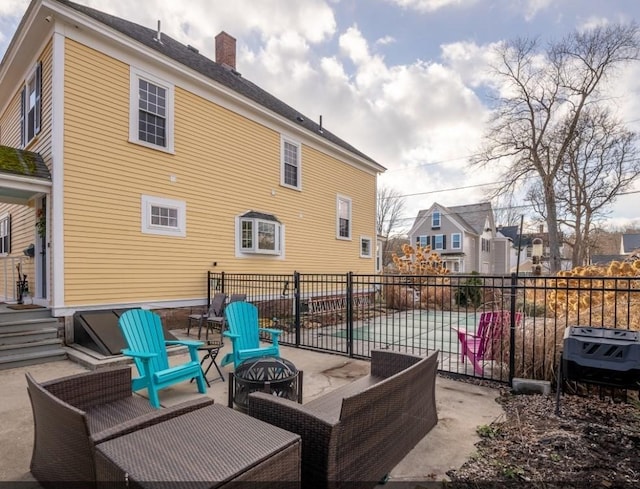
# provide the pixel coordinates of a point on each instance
(521, 251)
(465, 237)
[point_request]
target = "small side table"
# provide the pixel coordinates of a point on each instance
(211, 348)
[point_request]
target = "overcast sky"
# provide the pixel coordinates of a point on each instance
(404, 81)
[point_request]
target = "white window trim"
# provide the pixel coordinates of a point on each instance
(241, 252)
(452, 241)
(344, 198)
(362, 239)
(147, 201)
(435, 242)
(135, 75)
(285, 139)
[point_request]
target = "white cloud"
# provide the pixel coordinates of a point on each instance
(311, 20)
(593, 22)
(431, 5)
(470, 61)
(533, 7)
(385, 40)
(13, 8)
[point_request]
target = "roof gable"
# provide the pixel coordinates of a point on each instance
(219, 73)
(471, 218)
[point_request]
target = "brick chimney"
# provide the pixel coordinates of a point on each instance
(226, 50)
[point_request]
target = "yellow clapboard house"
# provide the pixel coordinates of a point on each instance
(130, 165)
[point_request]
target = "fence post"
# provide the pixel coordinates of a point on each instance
(222, 282)
(512, 328)
(349, 312)
(296, 305)
(208, 289)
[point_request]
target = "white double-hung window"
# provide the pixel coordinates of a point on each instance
(291, 175)
(343, 217)
(151, 111)
(31, 106)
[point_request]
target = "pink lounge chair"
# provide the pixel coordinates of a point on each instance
(476, 347)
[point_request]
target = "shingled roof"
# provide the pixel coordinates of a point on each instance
(224, 75)
(23, 163)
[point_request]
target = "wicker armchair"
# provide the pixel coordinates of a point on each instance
(354, 435)
(73, 414)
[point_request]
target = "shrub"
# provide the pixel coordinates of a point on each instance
(469, 294)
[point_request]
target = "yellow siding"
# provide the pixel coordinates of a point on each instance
(224, 165)
(23, 217)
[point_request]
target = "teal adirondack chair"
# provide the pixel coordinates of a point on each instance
(142, 330)
(244, 333)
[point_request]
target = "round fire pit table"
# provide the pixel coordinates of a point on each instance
(277, 376)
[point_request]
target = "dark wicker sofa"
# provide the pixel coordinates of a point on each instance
(354, 435)
(73, 414)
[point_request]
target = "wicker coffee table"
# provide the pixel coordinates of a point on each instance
(211, 447)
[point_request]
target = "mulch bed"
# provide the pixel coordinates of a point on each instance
(593, 443)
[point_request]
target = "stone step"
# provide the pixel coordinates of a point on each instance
(29, 324)
(8, 316)
(29, 347)
(32, 358)
(17, 337)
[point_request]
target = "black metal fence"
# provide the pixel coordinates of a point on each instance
(352, 314)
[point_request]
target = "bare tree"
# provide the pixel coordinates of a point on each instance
(507, 211)
(543, 96)
(602, 161)
(390, 207)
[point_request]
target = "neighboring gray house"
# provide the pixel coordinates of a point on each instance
(464, 236)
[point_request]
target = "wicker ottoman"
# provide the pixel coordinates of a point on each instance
(211, 447)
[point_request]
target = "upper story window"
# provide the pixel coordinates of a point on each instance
(343, 221)
(422, 241)
(365, 247)
(290, 164)
(486, 245)
(259, 233)
(151, 111)
(5, 234)
(31, 106)
(439, 242)
(435, 219)
(456, 241)
(164, 216)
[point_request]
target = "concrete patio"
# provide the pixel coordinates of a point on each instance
(462, 407)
